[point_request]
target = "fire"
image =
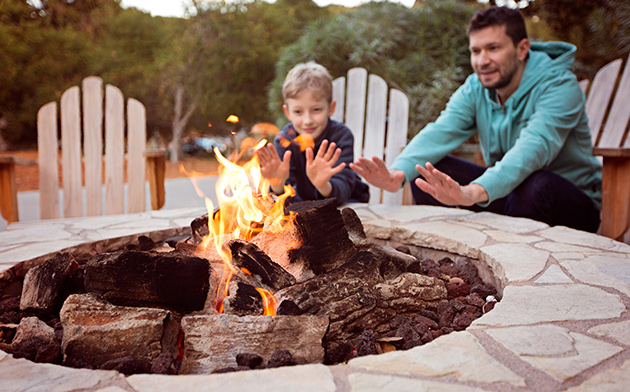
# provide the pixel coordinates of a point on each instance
(245, 208)
(269, 302)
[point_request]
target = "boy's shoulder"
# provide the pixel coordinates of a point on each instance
(338, 127)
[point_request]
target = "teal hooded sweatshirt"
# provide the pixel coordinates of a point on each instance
(542, 126)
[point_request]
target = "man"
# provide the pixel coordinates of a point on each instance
(528, 110)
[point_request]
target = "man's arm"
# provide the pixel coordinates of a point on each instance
(448, 191)
(375, 172)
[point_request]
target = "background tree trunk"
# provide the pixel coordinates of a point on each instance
(180, 121)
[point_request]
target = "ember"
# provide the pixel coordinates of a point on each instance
(202, 304)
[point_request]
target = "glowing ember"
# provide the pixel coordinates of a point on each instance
(232, 119)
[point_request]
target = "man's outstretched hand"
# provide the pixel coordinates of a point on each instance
(448, 191)
(375, 173)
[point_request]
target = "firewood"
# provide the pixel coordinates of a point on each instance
(96, 332)
(213, 342)
(47, 285)
(136, 278)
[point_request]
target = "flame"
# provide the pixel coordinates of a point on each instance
(269, 302)
(245, 208)
(232, 119)
(304, 141)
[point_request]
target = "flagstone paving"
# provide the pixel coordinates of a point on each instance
(562, 323)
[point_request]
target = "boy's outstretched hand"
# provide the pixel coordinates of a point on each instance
(321, 168)
(272, 168)
(375, 173)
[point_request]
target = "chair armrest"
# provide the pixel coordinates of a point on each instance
(619, 152)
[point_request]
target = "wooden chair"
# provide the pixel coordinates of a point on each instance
(75, 155)
(362, 104)
(609, 114)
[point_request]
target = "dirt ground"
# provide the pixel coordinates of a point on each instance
(27, 175)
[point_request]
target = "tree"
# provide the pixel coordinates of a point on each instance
(42, 53)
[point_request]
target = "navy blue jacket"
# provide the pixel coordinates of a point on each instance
(346, 184)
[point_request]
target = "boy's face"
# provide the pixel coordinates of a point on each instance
(309, 113)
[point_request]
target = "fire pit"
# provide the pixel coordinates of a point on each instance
(561, 323)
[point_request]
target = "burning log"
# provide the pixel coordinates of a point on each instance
(46, 286)
(243, 300)
(248, 257)
(213, 342)
(136, 278)
(356, 297)
(315, 243)
(97, 332)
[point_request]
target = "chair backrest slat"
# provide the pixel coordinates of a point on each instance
(599, 96)
(397, 128)
(114, 150)
(48, 161)
(619, 114)
(93, 143)
(339, 93)
(355, 106)
(375, 122)
(71, 153)
(136, 168)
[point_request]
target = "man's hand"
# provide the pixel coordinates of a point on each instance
(273, 169)
(448, 191)
(375, 172)
(321, 168)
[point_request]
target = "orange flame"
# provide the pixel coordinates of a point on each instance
(269, 302)
(246, 207)
(232, 119)
(304, 141)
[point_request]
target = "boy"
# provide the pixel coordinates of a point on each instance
(321, 171)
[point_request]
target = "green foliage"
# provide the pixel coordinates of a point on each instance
(236, 48)
(37, 63)
(407, 47)
(599, 28)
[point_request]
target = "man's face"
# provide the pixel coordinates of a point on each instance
(495, 59)
(309, 113)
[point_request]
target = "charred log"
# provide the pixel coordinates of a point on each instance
(149, 279)
(250, 258)
(47, 285)
(213, 342)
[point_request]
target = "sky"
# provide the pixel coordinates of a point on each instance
(176, 7)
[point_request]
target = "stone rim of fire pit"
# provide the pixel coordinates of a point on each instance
(562, 323)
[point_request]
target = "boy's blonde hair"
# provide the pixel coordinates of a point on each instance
(311, 76)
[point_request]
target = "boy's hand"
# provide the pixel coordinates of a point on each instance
(273, 169)
(319, 169)
(375, 173)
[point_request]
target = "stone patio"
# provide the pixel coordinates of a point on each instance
(562, 323)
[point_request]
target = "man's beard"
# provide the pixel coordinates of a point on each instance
(503, 81)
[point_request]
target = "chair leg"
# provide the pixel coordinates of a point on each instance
(615, 197)
(156, 169)
(8, 190)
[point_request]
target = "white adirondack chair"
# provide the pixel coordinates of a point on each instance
(378, 130)
(139, 161)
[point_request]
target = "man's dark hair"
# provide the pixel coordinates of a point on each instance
(500, 16)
